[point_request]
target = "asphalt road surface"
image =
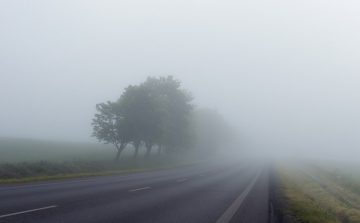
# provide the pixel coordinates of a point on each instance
(216, 192)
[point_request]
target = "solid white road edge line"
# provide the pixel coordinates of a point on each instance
(181, 180)
(23, 212)
(229, 213)
(143, 188)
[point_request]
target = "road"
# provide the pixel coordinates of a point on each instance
(216, 192)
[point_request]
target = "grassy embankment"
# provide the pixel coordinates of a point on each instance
(29, 160)
(309, 201)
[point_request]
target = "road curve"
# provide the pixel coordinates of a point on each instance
(216, 192)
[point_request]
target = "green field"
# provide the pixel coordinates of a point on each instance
(28, 160)
(28, 150)
(344, 169)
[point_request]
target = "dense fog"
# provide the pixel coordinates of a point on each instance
(285, 74)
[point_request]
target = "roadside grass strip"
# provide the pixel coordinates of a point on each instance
(344, 185)
(330, 188)
(91, 174)
(310, 201)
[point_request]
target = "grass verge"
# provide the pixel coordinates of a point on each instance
(308, 201)
(45, 170)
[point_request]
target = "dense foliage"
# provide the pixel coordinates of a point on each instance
(155, 113)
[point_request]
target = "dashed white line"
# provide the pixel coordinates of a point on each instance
(181, 180)
(23, 212)
(201, 175)
(143, 188)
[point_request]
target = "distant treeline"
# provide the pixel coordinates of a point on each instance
(158, 113)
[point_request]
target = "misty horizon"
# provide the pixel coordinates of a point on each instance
(284, 74)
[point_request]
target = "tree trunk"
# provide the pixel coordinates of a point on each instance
(136, 152)
(148, 149)
(120, 149)
(159, 150)
(147, 155)
(118, 155)
(167, 151)
(137, 146)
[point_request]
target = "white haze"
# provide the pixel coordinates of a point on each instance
(285, 73)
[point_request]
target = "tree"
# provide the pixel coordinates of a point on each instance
(130, 106)
(110, 127)
(211, 131)
(146, 115)
(178, 130)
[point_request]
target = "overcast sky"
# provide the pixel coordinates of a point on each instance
(285, 73)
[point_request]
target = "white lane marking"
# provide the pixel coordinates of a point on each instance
(181, 180)
(229, 213)
(23, 212)
(201, 175)
(143, 188)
